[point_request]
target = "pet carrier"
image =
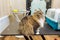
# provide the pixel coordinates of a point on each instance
(53, 18)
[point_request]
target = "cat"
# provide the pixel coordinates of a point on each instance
(32, 23)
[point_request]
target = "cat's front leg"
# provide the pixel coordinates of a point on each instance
(37, 31)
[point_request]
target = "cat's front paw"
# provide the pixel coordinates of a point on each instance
(37, 33)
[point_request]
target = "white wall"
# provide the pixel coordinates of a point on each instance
(55, 3)
(4, 12)
(6, 6)
(18, 4)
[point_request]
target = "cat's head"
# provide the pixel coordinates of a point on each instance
(38, 14)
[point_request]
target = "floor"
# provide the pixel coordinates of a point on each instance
(11, 38)
(14, 25)
(34, 37)
(52, 37)
(1, 38)
(48, 30)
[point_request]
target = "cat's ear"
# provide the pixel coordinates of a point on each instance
(38, 9)
(35, 10)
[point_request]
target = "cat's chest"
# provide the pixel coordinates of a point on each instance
(41, 22)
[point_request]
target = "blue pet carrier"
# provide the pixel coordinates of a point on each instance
(53, 18)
